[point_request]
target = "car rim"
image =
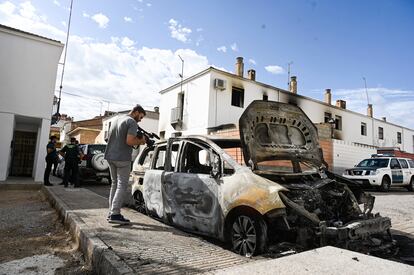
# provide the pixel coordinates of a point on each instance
(244, 236)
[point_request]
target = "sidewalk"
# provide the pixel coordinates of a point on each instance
(146, 246)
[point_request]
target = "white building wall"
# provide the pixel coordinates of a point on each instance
(196, 107)
(346, 154)
(28, 70)
(6, 136)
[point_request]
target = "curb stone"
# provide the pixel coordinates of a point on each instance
(102, 259)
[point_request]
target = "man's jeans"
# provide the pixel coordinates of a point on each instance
(120, 177)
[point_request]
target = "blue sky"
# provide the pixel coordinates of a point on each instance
(126, 51)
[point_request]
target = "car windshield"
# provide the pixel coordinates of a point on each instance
(375, 163)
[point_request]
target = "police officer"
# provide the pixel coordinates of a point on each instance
(72, 154)
(51, 157)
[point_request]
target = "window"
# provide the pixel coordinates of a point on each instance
(328, 116)
(160, 158)
(380, 133)
(403, 163)
(399, 137)
(338, 122)
(265, 97)
(196, 159)
(363, 129)
(411, 162)
(174, 154)
(237, 97)
(395, 164)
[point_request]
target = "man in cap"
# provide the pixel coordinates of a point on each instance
(51, 157)
(121, 138)
(72, 154)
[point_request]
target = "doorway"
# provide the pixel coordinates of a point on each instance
(24, 147)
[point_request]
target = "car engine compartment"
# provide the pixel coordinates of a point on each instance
(323, 211)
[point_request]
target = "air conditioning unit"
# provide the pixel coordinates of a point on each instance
(219, 84)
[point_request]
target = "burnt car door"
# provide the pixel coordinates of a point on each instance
(190, 191)
(152, 182)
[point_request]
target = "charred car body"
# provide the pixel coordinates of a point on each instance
(283, 194)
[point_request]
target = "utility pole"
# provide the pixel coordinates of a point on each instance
(290, 63)
(182, 72)
(56, 116)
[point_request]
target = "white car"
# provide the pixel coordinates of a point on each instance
(383, 172)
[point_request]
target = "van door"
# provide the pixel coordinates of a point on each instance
(396, 172)
(191, 193)
(406, 171)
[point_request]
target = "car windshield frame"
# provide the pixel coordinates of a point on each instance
(374, 163)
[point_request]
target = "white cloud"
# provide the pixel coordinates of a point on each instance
(274, 69)
(101, 19)
(252, 61)
(178, 31)
(126, 42)
(128, 19)
(141, 1)
(199, 40)
(63, 23)
(84, 14)
(7, 7)
(199, 29)
(57, 3)
(149, 4)
(222, 49)
(234, 47)
(114, 70)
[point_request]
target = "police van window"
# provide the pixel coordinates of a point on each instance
(403, 163)
(395, 164)
(411, 162)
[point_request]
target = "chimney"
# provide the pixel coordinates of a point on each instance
(384, 118)
(239, 66)
(251, 74)
(328, 96)
(293, 86)
(370, 112)
(341, 104)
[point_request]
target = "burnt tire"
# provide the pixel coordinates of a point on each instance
(385, 184)
(410, 187)
(248, 235)
(139, 202)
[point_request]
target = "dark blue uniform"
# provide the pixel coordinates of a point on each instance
(50, 159)
(72, 155)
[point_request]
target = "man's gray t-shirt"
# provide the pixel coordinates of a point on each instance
(117, 148)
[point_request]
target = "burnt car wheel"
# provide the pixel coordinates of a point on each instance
(248, 235)
(410, 187)
(139, 202)
(385, 184)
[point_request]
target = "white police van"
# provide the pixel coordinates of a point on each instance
(383, 172)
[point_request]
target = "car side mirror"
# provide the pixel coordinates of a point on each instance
(215, 166)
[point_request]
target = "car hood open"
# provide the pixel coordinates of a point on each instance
(278, 131)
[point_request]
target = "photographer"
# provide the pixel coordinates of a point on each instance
(122, 137)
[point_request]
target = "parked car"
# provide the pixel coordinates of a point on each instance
(92, 166)
(284, 194)
(383, 172)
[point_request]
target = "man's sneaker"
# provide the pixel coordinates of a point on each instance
(118, 219)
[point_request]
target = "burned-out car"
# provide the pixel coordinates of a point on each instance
(269, 186)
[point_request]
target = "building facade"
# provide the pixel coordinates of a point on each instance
(214, 99)
(28, 71)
